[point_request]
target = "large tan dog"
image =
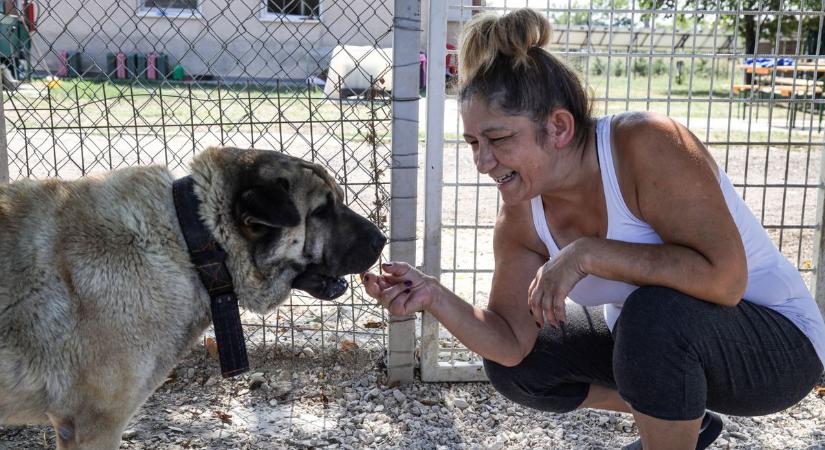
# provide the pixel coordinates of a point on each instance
(99, 298)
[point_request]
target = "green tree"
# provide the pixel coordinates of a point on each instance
(583, 14)
(767, 21)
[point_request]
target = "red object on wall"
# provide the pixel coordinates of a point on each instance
(452, 61)
(30, 11)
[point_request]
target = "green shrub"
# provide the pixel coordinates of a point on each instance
(618, 69)
(597, 67)
(659, 67)
(640, 67)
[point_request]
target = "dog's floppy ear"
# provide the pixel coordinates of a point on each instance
(269, 205)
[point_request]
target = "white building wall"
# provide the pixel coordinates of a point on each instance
(231, 38)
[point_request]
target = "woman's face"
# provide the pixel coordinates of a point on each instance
(506, 148)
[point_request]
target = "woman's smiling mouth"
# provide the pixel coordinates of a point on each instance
(505, 178)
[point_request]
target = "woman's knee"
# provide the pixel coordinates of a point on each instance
(526, 386)
(654, 365)
(657, 312)
(655, 321)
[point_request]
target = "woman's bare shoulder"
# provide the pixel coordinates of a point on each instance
(645, 138)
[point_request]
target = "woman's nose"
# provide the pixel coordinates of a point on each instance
(485, 161)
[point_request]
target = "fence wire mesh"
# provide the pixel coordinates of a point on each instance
(103, 84)
(745, 77)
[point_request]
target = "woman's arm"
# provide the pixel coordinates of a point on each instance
(505, 332)
(670, 181)
(678, 193)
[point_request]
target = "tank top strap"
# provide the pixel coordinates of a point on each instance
(617, 210)
(540, 223)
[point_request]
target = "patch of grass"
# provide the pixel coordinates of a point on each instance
(97, 105)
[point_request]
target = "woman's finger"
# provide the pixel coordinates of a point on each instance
(398, 304)
(559, 309)
(548, 309)
(392, 279)
(370, 282)
(535, 306)
(531, 289)
(403, 270)
(388, 295)
(385, 283)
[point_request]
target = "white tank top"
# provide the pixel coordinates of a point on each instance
(772, 280)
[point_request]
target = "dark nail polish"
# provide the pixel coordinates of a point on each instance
(407, 283)
(387, 264)
(366, 277)
(538, 325)
(530, 311)
(407, 291)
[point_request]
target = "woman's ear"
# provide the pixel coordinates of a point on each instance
(562, 127)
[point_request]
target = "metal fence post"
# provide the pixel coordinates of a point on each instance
(819, 239)
(4, 148)
(406, 29)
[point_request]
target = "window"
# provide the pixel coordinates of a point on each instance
(303, 9)
(171, 4)
(187, 8)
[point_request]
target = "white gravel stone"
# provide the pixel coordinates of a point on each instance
(312, 406)
(460, 403)
(129, 434)
(256, 380)
(398, 395)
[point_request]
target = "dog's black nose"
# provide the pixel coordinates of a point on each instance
(377, 242)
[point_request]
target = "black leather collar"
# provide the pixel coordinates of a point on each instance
(209, 260)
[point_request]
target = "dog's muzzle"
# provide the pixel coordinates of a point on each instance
(320, 285)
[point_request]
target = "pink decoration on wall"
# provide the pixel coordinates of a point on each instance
(63, 63)
(151, 64)
(121, 65)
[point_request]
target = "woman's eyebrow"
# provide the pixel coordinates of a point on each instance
(494, 129)
(488, 130)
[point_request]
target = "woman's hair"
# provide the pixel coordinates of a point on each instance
(502, 61)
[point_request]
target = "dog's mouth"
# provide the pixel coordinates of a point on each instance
(320, 285)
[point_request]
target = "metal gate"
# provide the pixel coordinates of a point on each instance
(747, 80)
(102, 84)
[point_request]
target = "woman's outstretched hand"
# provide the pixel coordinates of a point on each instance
(402, 288)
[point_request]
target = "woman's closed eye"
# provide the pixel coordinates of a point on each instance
(499, 139)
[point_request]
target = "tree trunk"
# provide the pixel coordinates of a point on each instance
(748, 26)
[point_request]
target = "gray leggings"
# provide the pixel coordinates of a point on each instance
(671, 356)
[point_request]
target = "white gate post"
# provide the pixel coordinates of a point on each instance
(406, 33)
(819, 239)
(431, 369)
(434, 174)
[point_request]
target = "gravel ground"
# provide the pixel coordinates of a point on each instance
(341, 400)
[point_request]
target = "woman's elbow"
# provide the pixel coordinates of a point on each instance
(511, 358)
(731, 288)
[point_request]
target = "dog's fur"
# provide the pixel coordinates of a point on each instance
(98, 297)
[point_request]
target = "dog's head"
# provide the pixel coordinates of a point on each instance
(283, 224)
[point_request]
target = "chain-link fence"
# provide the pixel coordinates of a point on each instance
(745, 77)
(97, 85)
